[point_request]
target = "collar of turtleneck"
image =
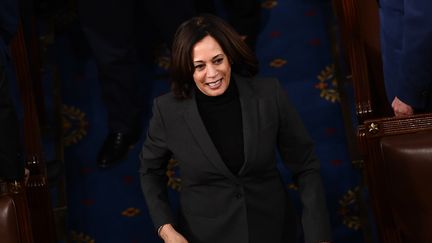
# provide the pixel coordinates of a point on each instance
(229, 95)
(222, 117)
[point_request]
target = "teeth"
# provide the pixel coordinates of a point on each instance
(213, 84)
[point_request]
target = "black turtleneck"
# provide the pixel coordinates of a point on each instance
(222, 118)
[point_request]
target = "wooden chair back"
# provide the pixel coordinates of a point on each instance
(397, 152)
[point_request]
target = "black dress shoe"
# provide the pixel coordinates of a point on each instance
(115, 149)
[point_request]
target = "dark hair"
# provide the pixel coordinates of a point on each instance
(243, 60)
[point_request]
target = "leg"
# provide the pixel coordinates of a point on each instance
(110, 29)
(10, 166)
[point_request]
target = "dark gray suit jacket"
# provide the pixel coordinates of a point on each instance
(217, 206)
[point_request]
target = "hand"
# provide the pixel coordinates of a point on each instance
(401, 109)
(170, 235)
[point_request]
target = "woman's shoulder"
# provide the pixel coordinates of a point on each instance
(165, 99)
(169, 101)
(165, 96)
(264, 84)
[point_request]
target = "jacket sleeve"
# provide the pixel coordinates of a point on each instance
(154, 158)
(297, 151)
(416, 54)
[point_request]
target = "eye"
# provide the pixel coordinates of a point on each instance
(199, 67)
(218, 61)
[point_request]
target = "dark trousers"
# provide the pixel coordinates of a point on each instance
(10, 165)
(122, 35)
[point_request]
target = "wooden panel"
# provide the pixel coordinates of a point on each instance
(39, 199)
(359, 21)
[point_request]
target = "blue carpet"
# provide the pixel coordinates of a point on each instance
(107, 205)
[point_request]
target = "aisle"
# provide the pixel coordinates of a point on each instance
(107, 206)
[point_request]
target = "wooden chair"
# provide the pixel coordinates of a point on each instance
(14, 213)
(359, 27)
(26, 215)
(397, 152)
(399, 171)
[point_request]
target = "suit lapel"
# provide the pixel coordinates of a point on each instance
(198, 130)
(249, 107)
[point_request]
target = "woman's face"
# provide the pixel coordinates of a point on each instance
(212, 69)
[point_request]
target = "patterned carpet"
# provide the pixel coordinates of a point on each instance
(107, 206)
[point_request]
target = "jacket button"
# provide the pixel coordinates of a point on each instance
(239, 195)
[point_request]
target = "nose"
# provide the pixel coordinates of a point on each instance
(211, 71)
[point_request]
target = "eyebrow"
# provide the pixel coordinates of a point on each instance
(215, 57)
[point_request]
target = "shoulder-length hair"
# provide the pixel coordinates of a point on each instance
(243, 60)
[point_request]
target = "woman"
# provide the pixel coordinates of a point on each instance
(222, 124)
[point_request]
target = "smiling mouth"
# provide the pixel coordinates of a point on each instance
(214, 84)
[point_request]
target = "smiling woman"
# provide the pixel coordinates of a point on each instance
(191, 48)
(212, 68)
(222, 124)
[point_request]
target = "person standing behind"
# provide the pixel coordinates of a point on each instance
(115, 30)
(11, 167)
(406, 40)
(223, 124)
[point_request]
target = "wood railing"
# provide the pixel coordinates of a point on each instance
(37, 191)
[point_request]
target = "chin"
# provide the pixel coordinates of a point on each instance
(214, 93)
(217, 92)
